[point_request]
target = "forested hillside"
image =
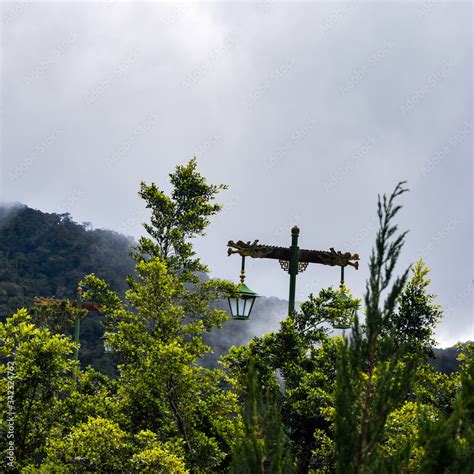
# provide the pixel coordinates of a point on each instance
(43, 254)
(298, 399)
(47, 254)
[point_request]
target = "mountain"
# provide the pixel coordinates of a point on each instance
(44, 254)
(47, 254)
(445, 360)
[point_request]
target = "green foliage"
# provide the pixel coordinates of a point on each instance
(36, 367)
(97, 445)
(448, 442)
(300, 399)
(304, 356)
(413, 323)
(56, 315)
(177, 218)
(263, 445)
(100, 445)
(157, 331)
(373, 373)
(45, 254)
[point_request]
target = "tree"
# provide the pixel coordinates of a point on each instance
(413, 323)
(99, 445)
(263, 445)
(303, 355)
(374, 372)
(447, 442)
(35, 373)
(157, 332)
(178, 218)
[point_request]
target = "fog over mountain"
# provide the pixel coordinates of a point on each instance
(307, 110)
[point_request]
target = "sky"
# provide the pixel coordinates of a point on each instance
(306, 110)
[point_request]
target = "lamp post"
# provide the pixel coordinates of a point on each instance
(241, 305)
(344, 323)
(77, 329)
(77, 322)
(292, 260)
(79, 306)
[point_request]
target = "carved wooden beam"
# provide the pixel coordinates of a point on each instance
(331, 257)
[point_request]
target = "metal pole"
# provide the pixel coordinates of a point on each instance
(77, 322)
(293, 270)
(242, 270)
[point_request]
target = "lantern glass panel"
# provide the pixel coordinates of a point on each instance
(241, 306)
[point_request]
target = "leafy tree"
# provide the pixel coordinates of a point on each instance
(177, 218)
(413, 323)
(38, 366)
(448, 441)
(158, 331)
(310, 401)
(100, 445)
(304, 356)
(263, 445)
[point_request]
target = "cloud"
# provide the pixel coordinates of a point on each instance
(145, 86)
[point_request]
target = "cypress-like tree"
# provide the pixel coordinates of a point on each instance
(374, 372)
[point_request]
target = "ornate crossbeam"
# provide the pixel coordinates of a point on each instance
(256, 250)
(293, 259)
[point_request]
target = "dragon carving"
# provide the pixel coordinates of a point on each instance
(255, 250)
(248, 249)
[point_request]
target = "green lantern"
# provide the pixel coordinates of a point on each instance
(350, 314)
(241, 305)
(108, 349)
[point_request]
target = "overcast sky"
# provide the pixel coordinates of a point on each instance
(306, 110)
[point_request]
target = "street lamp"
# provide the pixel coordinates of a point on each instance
(108, 349)
(241, 305)
(292, 260)
(346, 316)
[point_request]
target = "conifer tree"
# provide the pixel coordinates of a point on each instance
(374, 373)
(263, 446)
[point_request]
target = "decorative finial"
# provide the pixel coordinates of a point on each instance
(295, 230)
